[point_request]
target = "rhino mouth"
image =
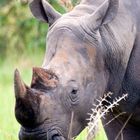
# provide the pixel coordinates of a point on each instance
(39, 134)
(32, 134)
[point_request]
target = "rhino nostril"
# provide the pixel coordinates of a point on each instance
(57, 137)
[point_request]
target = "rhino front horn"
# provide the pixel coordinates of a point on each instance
(19, 86)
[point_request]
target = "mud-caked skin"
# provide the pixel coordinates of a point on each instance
(92, 50)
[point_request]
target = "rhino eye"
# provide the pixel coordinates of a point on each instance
(74, 91)
(74, 96)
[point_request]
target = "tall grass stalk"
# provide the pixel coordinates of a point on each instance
(99, 112)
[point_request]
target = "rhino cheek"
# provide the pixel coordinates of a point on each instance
(86, 102)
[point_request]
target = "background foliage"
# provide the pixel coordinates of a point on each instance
(22, 45)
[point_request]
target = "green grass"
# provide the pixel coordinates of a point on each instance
(99, 136)
(8, 125)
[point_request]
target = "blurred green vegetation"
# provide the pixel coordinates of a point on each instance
(22, 46)
(20, 33)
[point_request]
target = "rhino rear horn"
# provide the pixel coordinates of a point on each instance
(43, 11)
(19, 86)
(43, 78)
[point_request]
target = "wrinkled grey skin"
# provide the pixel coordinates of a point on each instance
(91, 50)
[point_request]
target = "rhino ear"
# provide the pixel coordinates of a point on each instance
(43, 11)
(111, 12)
(105, 13)
(43, 79)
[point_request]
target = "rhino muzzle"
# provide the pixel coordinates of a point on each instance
(27, 109)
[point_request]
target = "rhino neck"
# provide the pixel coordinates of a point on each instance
(117, 50)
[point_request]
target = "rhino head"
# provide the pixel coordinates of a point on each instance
(72, 77)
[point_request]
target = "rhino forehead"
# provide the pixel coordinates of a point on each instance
(68, 55)
(64, 41)
(64, 38)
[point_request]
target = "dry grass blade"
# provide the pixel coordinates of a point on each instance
(70, 127)
(120, 132)
(114, 118)
(121, 135)
(67, 4)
